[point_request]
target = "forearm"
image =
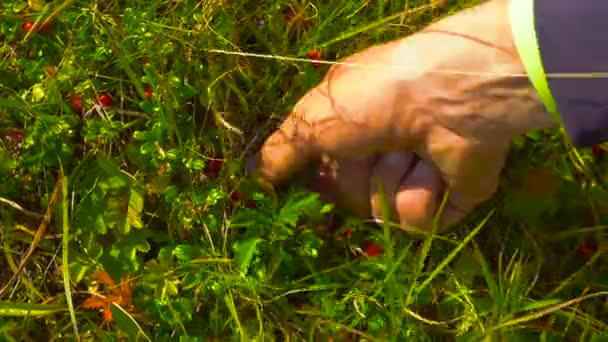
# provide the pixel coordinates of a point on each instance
(571, 38)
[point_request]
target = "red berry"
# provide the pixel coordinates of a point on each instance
(105, 99)
(597, 150)
(373, 249)
(28, 26)
(251, 204)
(214, 167)
(148, 93)
(315, 55)
(42, 27)
(50, 70)
(77, 103)
(586, 250)
(14, 136)
(348, 233)
(235, 196)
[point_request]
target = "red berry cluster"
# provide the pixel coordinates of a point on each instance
(104, 99)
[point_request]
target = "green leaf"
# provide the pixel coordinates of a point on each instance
(117, 179)
(600, 337)
(184, 252)
(79, 266)
(90, 214)
(244, 253)
(147, 147)
(11, 103)
(535, 135)
(25, 309)
(136, 205)
(147, 107)
(127, 324)
(298, 205)
(133, 242)
(190, 280)
(123, 257)
(246, 218)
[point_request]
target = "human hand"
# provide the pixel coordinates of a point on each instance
(400, 113)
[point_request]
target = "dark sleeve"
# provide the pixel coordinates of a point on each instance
(573, 38)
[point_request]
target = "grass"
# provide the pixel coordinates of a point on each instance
(122, 137)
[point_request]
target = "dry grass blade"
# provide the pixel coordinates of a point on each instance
(546, 311)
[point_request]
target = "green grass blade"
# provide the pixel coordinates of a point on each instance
(389, 281)
(488, 276)
(128, 324)
(65, 269)
(454, 252)
(8, 309)
(230, 304)
(426, 247)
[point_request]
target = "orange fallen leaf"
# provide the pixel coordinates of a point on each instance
(94, 303)
(121, 295)
(107, 315)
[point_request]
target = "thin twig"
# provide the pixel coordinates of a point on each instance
(39, 233)
(15, 205)
(569, 75)
(132, 113)
(349, 329)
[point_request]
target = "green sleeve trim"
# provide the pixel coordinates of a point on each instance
(521, 13)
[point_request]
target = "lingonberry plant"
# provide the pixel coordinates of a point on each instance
(126, 212)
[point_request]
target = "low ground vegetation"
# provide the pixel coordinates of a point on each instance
(126, 212)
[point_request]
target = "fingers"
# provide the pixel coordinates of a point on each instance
(414, 189)
(353, 178)
(345, 182)
(388, 171)
(418, 197)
